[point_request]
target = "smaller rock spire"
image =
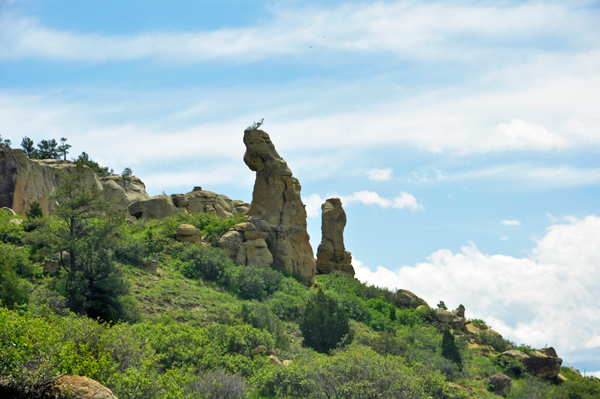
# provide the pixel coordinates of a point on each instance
(331, 254)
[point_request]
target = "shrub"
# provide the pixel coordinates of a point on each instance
(35, 211)
(386, 343)
(255, 282)
(218, 385)
(205, 262)
(495, 341)
(260, 316)
(510, 365)
(324, 324)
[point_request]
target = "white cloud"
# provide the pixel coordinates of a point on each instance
(503, 238)
(520, 135)
(550, 297)
(511, 222)
(408, 29)
(380, 174)
(405, 200)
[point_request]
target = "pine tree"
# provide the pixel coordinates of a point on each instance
(324, 324)
(450, 350)
(28, 147)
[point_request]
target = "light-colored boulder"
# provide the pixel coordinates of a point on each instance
(472, 329)
(77, 387)
(551, 352)
(16, 221)
(157, 207)
(331, 254)
(443, 316)
(287, 363)
(151, 266)
(458, 323)
(231, 242)
(561, 378)
(274, 360)
(406, 299)
(254, 253)
(500, 383)
(515, 354)
(188, 233)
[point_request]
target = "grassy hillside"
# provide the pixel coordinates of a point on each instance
(196, 325)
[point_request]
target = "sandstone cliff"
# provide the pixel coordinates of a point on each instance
(24, 181)
(275, 234)
(331, 254)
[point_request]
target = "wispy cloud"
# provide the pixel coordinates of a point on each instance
(380, 174)
(407, 29)
(511, 222)
(403, 201)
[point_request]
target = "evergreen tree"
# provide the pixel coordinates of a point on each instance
(4, 143)
(82, 233)
(48, 149)
(28, 147)
(84, 159)
(63, 148)
(324, 324)
(35, 211)
(450, 350)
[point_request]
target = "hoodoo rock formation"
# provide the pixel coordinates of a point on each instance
(275, 234)
(331, 254)
(24, 181)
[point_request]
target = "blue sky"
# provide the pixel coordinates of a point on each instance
(462, 136)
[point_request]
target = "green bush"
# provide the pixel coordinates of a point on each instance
(510, 365)
(256, 282)
(386, 343)
(324, 324)
(205, 262)
(495, 341)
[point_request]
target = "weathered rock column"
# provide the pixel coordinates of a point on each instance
(332, 255)
(276, 217)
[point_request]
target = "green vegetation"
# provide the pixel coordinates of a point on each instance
(79, 297)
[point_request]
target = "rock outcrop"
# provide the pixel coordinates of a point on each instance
(77, 387)
(331, 254)
(24, 181)
(540, 364)
(275, 234)
(157, 207)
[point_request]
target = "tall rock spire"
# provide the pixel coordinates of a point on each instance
(275, 234)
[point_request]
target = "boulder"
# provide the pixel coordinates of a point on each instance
(548, 367)
(259, 350)
(76, 387)
(460, 311)
(515, 354)
(188, 233)
(443, 316)
(499, 383)
(458, 323)
(151, 266)
(287, 363)
(331, 254)
(275, 234)
(273, 360)
(406, 299)
(157, 207)
(16, 221)
(231, 242)
(199, 200)
(24, 181)
(561, 378)
(551, 352)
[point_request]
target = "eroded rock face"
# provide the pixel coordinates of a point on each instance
(275, 234)
(24, 181)
(548, 367)
(331, 254)
(199, 200)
